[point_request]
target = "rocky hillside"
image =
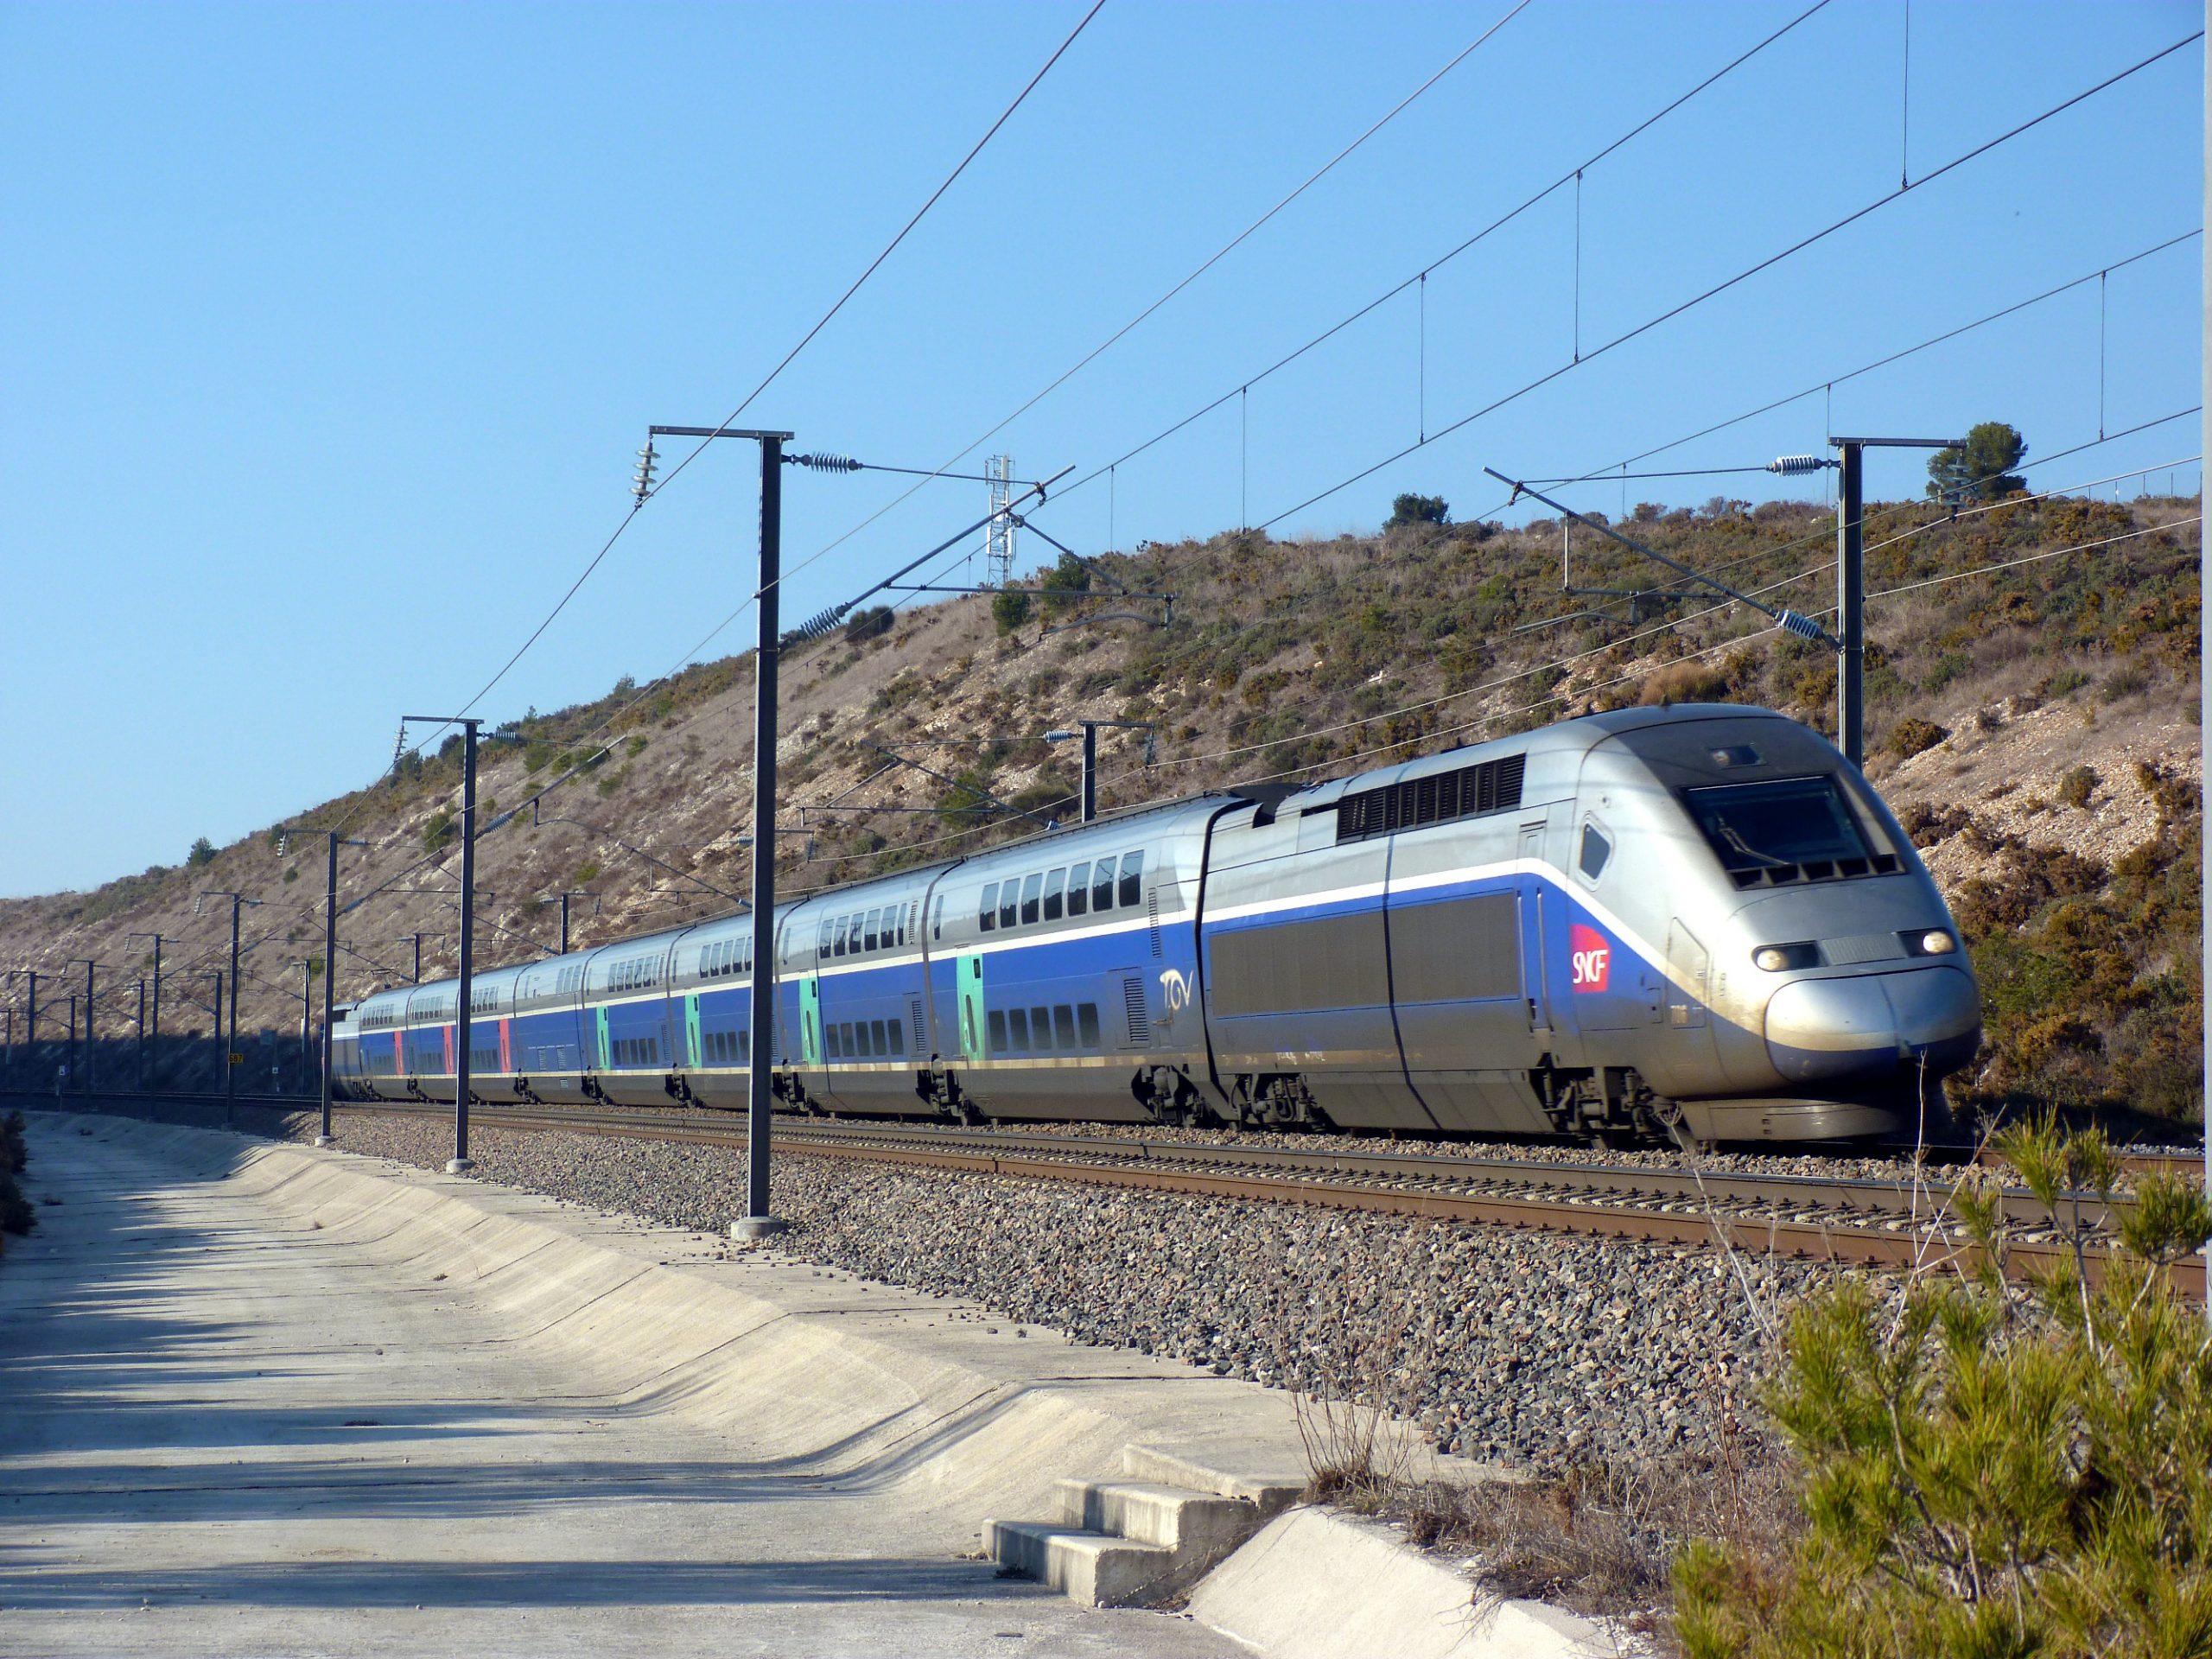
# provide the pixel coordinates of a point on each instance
(2033, 714)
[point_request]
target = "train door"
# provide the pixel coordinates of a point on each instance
(1536, 904)
(602, 1051)
(810, 1021)
(691, 1044)
(972, 1023)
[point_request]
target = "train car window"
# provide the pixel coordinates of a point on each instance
(837, 949)
(1040, 1030)
(1031, 886)
(867, 930)
(744, 1047)
(845, 1037)
(830, 1049)
(1080, 889)
(1008, 892)
(878, 1044)
(1017, 1025)
(1063, 1027)
(898, 1040)
(937, 918)
(998, 1032)
(1087, 1019)
(822, 952)
(1101, 886)
(1132, 879)
(1055, 881)
(987, 917)
(1597, 847)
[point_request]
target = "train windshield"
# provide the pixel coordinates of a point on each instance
(1778, 827)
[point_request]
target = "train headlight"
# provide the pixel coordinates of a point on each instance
(1781, 959)
(1935, 942)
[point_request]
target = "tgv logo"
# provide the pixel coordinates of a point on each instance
(1593, 959)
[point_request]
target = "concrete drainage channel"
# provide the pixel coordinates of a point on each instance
(1117, 1478)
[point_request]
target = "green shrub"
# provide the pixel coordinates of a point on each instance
(2076, 788)
(203, 852)
(1982, 1477)
(438, 831)
(1912, 736)
(1009, 610)
(16, 1214)
(15, 1151)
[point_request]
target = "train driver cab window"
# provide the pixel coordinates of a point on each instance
(987, 917)
(1032, 887)
(1597, 847)
(1053, 882)
(1080, 889)
(1101, 886)
(1132, 879)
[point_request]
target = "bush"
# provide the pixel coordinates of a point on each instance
(1418, 510)
(865, 625)
(1912, 736)
(203, 852)
(2077, 787)
(438, 831)
(16, 1214)
(1009, 610)
(14, 1152)
(1986, 1476)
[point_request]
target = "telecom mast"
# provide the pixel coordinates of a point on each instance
(998, 537)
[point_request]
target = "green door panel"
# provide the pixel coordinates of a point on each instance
(970, 973)
(691, 1045)
(810, 1021)
(599, 1020)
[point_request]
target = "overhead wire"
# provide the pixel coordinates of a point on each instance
(788, 357)
(1739, 277)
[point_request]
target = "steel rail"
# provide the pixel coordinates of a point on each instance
(1678, 1206)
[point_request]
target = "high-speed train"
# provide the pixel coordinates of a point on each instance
(1698, 920)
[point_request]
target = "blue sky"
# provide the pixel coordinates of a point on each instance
(328, 334)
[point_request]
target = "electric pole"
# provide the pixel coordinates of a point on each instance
(1851, 584)
(231, 1057)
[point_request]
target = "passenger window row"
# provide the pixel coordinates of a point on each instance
(634, 1051)
(726, 957)
(726, 1047)
(637, 973)
(863, 1039)
(485, 1000)
(1065, 1029)
(883, 929)
(569, 979)
(1048, 895)
(483, 1062)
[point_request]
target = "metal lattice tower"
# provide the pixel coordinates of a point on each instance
(998, 537)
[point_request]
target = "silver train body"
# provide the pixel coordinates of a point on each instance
(1699, 920)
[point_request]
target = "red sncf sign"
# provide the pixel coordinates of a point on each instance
(1593, 959)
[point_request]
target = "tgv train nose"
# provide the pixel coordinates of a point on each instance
(1825, 1028)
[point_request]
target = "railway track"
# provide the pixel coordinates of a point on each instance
(1897, 1222)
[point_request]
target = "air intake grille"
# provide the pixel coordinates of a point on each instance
(1133, 1006)
(1487, 786)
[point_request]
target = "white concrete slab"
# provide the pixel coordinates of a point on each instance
(260, 1400)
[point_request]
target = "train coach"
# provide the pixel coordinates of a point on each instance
(1698, 920)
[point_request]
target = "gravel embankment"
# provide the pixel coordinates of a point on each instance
(1517, 1347)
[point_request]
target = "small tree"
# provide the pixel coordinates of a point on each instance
(203, 852)
(1987, 1476)
(1418, 510)
(1065, 581)
(1009, 609)
(1983, 470)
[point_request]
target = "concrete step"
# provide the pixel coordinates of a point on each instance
(1176, 1518)
(1090, 1568)
(1159, 1466)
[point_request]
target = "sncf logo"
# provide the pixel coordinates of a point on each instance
(1593, 959)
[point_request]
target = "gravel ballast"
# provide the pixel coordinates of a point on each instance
(1520, 1348)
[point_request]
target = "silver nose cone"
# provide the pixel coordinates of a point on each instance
(1821, 1029)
